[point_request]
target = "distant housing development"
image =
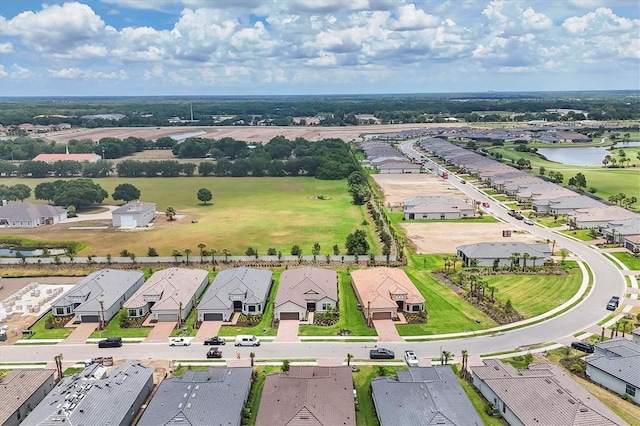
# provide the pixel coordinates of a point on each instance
(52, 158)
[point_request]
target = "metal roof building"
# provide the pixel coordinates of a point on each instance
(200, 398)
(93, 398)
(422, 396)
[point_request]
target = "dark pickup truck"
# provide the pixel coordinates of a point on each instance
(110, 342)
(381, 353)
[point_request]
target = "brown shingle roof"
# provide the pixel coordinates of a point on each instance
(302, 284)
(308, 395)
(376, 285)
(17, 387)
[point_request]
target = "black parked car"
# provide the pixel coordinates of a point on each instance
(613, 303)
(110, 342)
(214, 353)
(381, 353)
(215, 341)
(583, 346)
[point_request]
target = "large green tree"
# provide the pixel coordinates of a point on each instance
(79, 193)
(357, 243)
(204, 195)
(126, 192)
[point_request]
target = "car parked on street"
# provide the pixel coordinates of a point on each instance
(214, 353)
(528, 221)
(110, 342)
(179, 341)
(215, 341)
(519, 216)
(613, 304)
(583, 346)
(411, 358)
(381, 353)
(485, 204)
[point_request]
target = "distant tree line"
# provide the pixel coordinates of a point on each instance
(331, 110)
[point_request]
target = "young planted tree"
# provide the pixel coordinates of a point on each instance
(202, 246)
(170, 213)
(187, 252)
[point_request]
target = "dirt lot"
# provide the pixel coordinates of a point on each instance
(399, 187)
(243, 133)
(441, 237)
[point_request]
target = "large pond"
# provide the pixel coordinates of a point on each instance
(29, 252)
(584, 156)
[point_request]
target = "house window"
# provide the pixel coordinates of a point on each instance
(631, 390)
(133, 313)
(326, 306)
(415, 308)
(252, 308)
(68, 309)
(59, 311)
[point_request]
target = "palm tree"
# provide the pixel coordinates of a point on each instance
(465, 356)
(553, 247)
(493, 289)
(202, 246)
(349, 356)
(187, 252)
(213, 256)
(101, 302)
(170, 213)
(175, 253)
(533, 259)
(474, 262)
(513, 259)
(446, 357)
(58, 361)
(252, 356)
(132, 256)
(226, 254)
(525, 256)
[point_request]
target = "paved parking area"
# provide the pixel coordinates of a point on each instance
(287, 331)
(387, 331)
(207, 329)
(80, 334)
(161, 332)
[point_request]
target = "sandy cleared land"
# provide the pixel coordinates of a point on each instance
(441, 237)
(243, 133)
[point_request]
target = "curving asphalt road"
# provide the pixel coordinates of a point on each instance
(608, 281)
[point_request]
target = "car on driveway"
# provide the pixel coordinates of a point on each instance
(214, 353)
(179, 341)
(613, 304)
(215, 341)
(528, 221)
(110, 342)
(381, 353)
(583, 346)
(411, 358)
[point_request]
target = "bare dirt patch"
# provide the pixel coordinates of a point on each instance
(444, 237)
(396, 187)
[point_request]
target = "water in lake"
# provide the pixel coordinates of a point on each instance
(583, 156)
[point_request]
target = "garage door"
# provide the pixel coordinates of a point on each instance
(167, 317)
(213, 317)
(289, 315)
(90, 318)
(381, 315)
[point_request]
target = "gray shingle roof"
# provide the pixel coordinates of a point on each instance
(29, 211)
(88, 398)
(107, 285)
(253, 283)
(200, 398)
(134, 207)
(172, 285)
(422, 396)
(544, 394)
(619, 358)
(503, 250)
(300, 285)
(18, 386)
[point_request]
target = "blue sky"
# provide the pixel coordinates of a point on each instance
(283, 47)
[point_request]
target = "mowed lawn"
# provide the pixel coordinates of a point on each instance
(532, 295)
(448, 312)
(257, 212)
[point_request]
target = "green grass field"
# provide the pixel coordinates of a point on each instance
(396, 218)
(448, 313)
(257, 212)
(632, 262)
(532, 295)
(581, 234)
(350, 317)
(39, 332)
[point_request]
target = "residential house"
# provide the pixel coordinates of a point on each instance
(135, 214)
(615, 365)
(21, 390)
(398, 167)
(624, 232)
(168, 294)
(568, 204)
(422, 396)
(383, 292)
(304, 290)
(543, 394)
(636, 336)
(200, 398)
(502, 254)
(82, 158)
(99, 296)
(30, 215)
(242, 290)
(593, 217)
(538, 199)
(94, 398)
(308, 395)
(436, 207)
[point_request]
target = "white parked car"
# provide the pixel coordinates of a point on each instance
(179, 341)
(528, 221)
(411, 358)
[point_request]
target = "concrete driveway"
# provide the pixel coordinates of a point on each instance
(81, 333)
(207, 329)
(287, 331)
(387, 331)
(161, 332)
